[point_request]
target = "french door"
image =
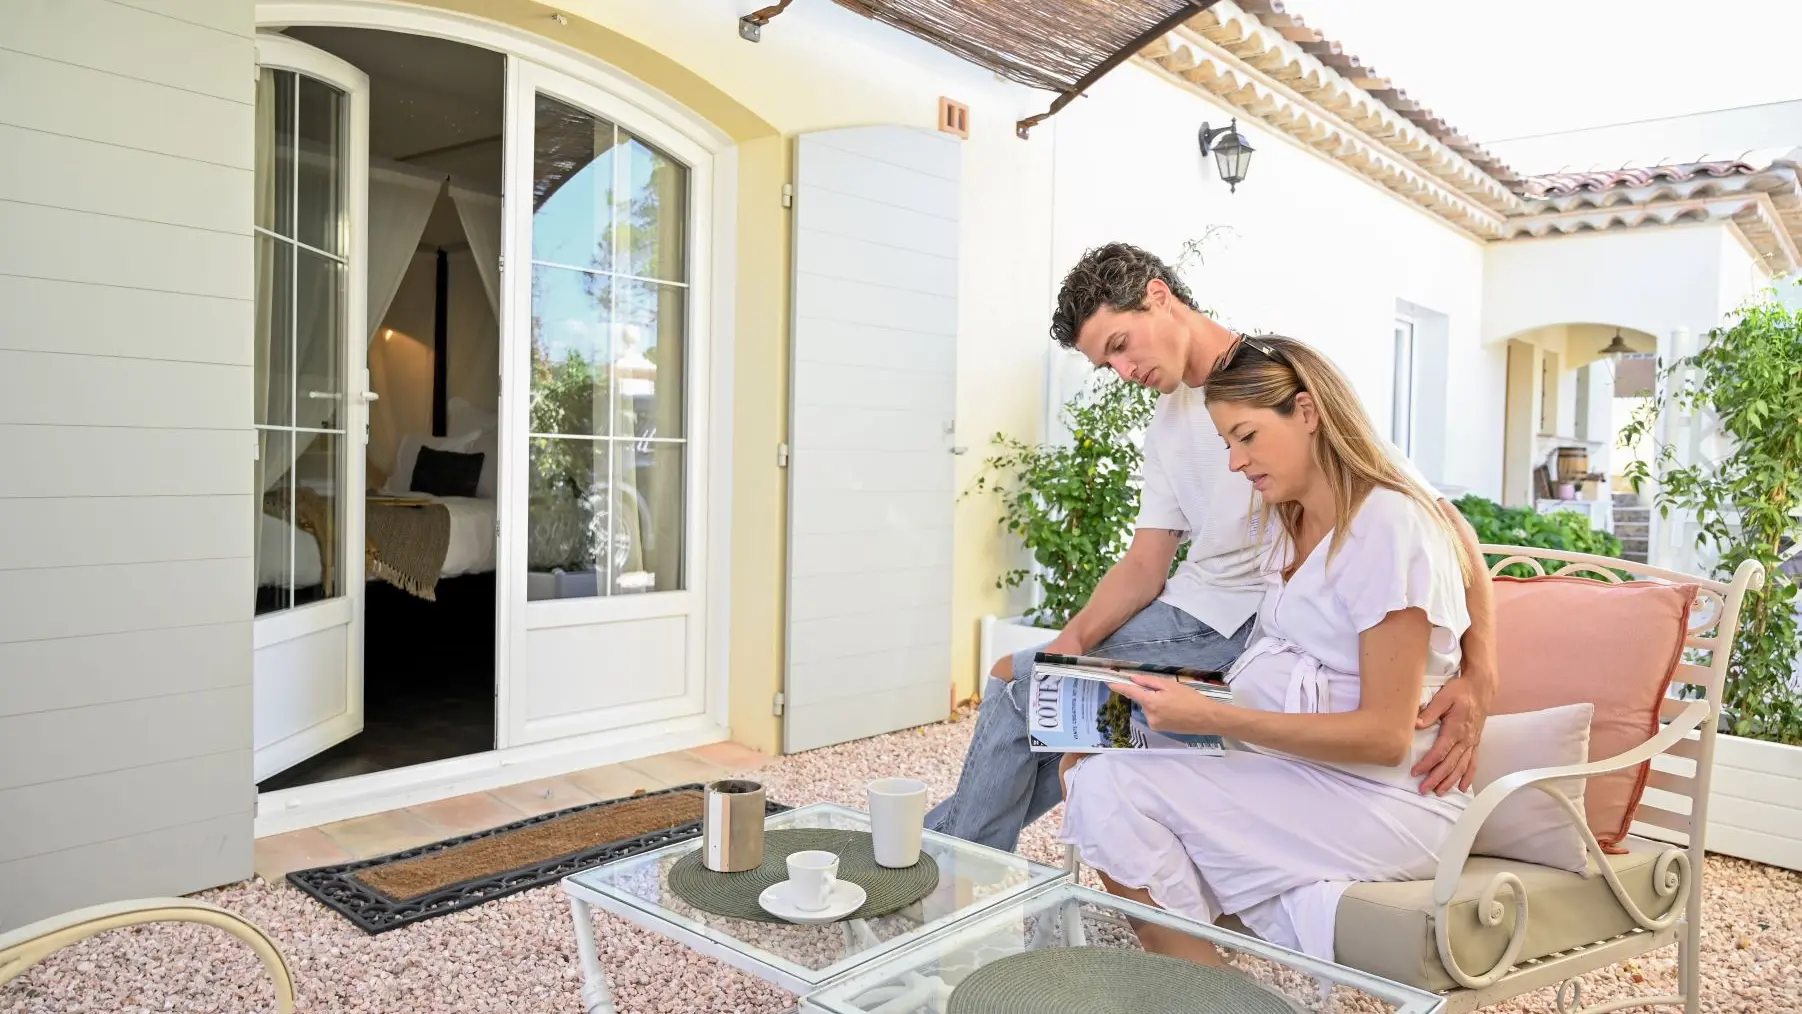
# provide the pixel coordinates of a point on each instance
(311, 401)
(604, 344)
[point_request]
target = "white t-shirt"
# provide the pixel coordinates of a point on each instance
(1190, 488)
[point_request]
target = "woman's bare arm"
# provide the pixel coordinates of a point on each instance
(1392, 664)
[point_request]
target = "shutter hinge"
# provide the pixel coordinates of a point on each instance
(776, 705)
(781, 455)
(788, 195)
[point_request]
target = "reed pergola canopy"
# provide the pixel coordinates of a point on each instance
(1062, 46)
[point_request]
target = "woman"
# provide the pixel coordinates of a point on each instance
(1360, 624)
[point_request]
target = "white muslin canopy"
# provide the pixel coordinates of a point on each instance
(401, 198)
(400, 204)
(481, 217)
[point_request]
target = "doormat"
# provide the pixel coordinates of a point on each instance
(391, 891)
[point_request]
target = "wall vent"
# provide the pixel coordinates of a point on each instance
(954, 117)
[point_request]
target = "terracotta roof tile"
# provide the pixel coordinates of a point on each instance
(1272, 14)
(1559, 184)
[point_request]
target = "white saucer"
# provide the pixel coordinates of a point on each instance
(844, 898)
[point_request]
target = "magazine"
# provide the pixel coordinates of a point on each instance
(1073, 708)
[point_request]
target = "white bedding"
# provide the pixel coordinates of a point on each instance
(471, 549)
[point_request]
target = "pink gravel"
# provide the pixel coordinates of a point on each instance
(518, 954)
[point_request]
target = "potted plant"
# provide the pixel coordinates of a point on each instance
(1747, 505)
(1071, 505)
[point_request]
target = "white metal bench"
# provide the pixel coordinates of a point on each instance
(1467, 934)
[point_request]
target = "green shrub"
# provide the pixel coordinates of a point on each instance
(1073, 505)
(1523, 526)
(1747, 375)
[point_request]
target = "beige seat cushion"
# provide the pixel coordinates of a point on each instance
(1387, 929)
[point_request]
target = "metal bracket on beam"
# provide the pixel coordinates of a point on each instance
(750, 27)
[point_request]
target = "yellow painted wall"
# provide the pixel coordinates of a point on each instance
(759, 424)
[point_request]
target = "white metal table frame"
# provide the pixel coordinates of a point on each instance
(597, 990)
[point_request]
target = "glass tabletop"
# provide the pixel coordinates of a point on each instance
(918, 978)
(971, 878)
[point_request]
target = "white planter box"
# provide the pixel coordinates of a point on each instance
(1755, 808)
(1003, 635)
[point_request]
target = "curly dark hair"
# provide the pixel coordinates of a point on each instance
(1113, 276)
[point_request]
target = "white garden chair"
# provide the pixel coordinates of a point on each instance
(1467, 934)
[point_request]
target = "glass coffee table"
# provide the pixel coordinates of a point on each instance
(972, 879)
(918, 978)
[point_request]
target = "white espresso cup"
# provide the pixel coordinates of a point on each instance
(812, 875)
(897, 818)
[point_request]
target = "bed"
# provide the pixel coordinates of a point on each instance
(470, 551)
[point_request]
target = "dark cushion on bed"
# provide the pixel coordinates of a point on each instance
(447, 473)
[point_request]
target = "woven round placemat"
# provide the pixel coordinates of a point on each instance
(735, 894)
(1105, 980)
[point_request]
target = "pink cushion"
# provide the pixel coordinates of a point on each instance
(1568, 640)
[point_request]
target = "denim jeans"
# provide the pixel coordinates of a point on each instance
(1004, 786)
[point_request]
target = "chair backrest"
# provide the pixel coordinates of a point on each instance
(1675, 805)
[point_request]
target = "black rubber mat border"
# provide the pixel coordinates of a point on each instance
(374, 912)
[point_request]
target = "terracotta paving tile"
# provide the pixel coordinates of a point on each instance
(381, 833)
(460, 815)
(677, 768)
(280, 854)
(613, 781)
(731, 756)
(543, 795)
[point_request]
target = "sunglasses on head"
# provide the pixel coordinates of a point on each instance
(1244, 342)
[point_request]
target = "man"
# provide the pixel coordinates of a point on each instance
(1124, 309)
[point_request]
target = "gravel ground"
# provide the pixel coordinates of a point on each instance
(518, 954)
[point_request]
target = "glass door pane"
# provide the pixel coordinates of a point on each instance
(1401, 426)
(609, 286)
(300, 376)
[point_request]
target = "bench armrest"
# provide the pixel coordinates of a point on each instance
(1670, 877)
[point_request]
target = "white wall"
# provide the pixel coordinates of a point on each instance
(1742, 274)
(1314, 251)
(125, 450)
(1651, 280)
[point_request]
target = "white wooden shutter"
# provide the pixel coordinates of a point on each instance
(873, 391)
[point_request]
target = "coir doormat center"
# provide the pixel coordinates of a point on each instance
(458, 873)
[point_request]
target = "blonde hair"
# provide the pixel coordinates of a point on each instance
(1268, 372)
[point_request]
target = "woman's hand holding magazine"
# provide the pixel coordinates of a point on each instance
(1084, 704)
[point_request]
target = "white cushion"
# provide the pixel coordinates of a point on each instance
(407, 455)
(1530, 826)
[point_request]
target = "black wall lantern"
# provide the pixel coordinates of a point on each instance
(1232, 155)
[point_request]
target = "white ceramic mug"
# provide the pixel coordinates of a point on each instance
(812, 874)
(897, 817)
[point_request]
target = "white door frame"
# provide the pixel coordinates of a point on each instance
(1404, 371)
(312, 804)
(526, 81)
(276, 52)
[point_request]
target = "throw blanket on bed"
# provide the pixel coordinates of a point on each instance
(314, 518)
(407, 545)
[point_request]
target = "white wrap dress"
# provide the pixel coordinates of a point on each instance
(1272, 838)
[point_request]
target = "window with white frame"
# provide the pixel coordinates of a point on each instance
(1401, 416)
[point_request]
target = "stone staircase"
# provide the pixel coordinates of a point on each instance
(1633, 526)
